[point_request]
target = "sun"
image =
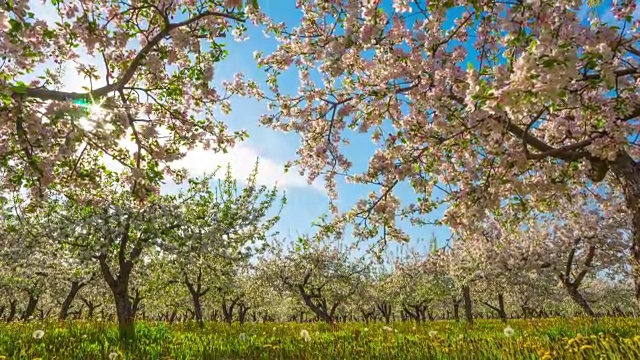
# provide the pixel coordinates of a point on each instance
(93, 113)
(96, 111)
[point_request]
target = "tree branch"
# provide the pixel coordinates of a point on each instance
(46, 94)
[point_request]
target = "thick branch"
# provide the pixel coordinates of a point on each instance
(45, 94)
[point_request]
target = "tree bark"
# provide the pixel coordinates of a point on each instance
(573, 284)
(468, 306)
(66, 304)
(321, 309)
(119, 287)
(125, 313)
(197, 293)
(197, 309)
(456, 309)
(579, 299)
(13, 309)
(172, 316)
(628, 171)
(227, 309)
(91, 306)
(502, 314)
(385, 309)
(31, 307)
(242, 313)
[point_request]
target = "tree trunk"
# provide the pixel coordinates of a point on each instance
(321, 309)
(502, 313)
(456, 309)
(499, 310)
(197, 308)
(125, 314)
(227, 309)
(196, 291)
(468, 310)
(31, 307)
(242, 313)
(91, 307)
(119, 286)
(66, 304)
(579, 299)
(385, 310)
(13, 309)
(628, 171)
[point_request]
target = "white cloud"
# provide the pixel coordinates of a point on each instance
(242, 158)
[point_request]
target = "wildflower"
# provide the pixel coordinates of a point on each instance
(365, 329)
(508, 331)
(113, 355)
(415, 328)
(305, 335)
(38, 334)
(585, 347)
(243, 337)
(386, 328)
(433, 333)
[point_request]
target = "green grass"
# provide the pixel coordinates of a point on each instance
(537, 339)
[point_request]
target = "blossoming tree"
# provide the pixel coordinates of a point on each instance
(223, 224)
(318, 273)
(148, 68)
(496, 104)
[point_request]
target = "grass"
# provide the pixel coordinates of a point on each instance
(607, 338)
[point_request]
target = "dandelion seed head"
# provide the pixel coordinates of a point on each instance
(508, 331)
(305, 335)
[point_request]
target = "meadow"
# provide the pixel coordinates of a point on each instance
(605, 338)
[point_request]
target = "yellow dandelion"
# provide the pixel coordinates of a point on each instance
(585, 347)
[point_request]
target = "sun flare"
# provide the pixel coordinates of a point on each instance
(96, 111)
